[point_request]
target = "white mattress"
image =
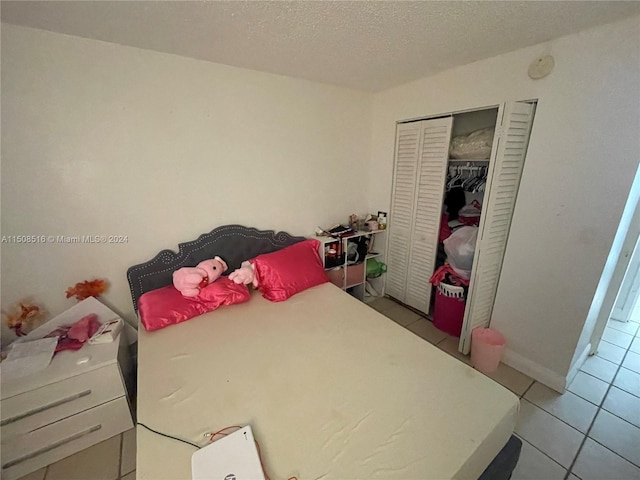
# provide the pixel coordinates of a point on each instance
(331, 388)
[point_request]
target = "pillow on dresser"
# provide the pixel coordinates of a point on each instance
(166, 306)
(291, 270)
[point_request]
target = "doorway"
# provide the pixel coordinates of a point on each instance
(618, 289)
(627, 307)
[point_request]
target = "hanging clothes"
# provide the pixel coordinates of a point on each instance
(454, 201)
(445, 229)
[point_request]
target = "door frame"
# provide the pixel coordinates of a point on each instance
(629, 289)
(627, 235)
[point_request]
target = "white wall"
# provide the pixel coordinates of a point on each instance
(582, 156)
(104, 139)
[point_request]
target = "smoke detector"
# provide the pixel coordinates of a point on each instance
(541, 67)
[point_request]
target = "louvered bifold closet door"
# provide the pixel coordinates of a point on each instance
(402, 201)
(432, 170)
(506, 170)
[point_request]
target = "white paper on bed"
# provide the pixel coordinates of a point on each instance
(233, 457)
(332, 389)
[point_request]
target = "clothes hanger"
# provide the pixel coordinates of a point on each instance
(451, 182)
(483, 182)
(474, 180)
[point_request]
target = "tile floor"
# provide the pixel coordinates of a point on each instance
(592, 432)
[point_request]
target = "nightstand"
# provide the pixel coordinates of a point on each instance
(79, 400)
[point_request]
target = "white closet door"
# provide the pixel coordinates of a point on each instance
(402, 203)
(431, 175)
(509, 151)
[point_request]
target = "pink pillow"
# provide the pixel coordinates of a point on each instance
(166, 306)
(288, 271)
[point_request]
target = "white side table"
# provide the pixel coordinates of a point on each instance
(79, 400)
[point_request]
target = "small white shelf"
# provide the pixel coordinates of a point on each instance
(346, 275)
(359, 233)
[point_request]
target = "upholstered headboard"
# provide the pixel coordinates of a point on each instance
(233, 243)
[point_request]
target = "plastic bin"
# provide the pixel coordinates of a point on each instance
(336, 276)
(355, 274)
(448, 312)
(487, 347)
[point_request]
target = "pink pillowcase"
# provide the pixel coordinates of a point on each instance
(288, 271)
(166, 306)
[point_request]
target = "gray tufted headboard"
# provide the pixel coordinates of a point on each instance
(233, 243)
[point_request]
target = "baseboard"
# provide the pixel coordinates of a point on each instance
(578, 363)
(618, 319)
(536, 371)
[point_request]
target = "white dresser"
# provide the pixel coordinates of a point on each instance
(80, 399)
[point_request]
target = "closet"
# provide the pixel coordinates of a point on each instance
(422, 165)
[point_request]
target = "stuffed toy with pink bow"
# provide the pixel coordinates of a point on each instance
(189, 280)
(245, 274)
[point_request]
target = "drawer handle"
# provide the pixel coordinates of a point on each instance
(45, 407)
(57, 444)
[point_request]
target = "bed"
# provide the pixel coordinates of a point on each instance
(331, 388)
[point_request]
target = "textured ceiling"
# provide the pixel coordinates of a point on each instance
(361, 44)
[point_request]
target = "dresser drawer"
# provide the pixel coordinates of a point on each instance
(27, 452)
(42, 406)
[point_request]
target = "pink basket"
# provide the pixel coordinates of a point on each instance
(448, 313)
(487, 347)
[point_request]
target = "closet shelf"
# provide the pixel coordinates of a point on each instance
(464, 160)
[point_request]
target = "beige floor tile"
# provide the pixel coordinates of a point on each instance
(535, 465)
(99, 462)
(628, 381)
(425, 329)
(128, 463)
(611, 352)
(548, 434)
(401, 315)
(632, 362)
(627, 327)
(600, 368)
(623, 404)
(617, 435)
(450, 345)
(588, 387)
(617, 337)
(635, 345)
(509, 377)
(37, 475)
(568, 407)
(382, 304)
(131, 476)
(596, 462)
